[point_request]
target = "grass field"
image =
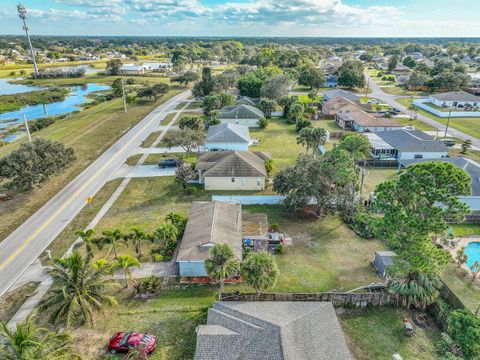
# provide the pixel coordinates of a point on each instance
(11, 301)
(89, 133)
(469, 126)
(418, 124)
(375, 176)
(93, 78)
(461, 285)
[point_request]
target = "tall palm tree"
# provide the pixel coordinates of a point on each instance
(79, 290)
(137, 236)
(88, 240)
(111, 237)
(260, 270)
(28, 342)
(124, 263)
(221, 264)
(311, 138)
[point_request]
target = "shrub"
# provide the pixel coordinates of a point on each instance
(157, 258)
(191, 190)
(302, 123)
(263, 122)
(464, 329)
(360, 222)
(280, 249)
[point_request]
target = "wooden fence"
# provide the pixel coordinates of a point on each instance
(338, 299)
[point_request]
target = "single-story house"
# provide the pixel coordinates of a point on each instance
(241, 115)
(470, 166)
(158, 66)
(454, 99)
(329, 69)
(228, 136)
(382, 260)
(330, 81)
(271, 330)
(330, 94)
(406, 144)
(232, 170)
(132, 69)
(401, 69)
(209, 223)
(361, 121)
(340, 105)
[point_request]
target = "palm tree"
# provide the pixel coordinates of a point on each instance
(260, 271)
(78, 290)
(311, 138)
(416, 289)
(221, 264)
(137, 236)
(124, 263)
(111, 237)
(87, 238)
(28, 342)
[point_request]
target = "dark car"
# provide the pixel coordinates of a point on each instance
(168, 163)
(396, 110)
(124, 341)
(449, 142)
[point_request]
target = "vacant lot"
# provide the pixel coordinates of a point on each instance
(89, 133)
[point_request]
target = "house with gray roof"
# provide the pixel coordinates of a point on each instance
(225, 137)
(242, 114)
(455, 99)
(209, 223)
(331, 94)
(232, 170)
(281, 330)
(405, 144)
(132, 69)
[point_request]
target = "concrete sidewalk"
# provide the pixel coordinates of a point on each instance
(140, 171)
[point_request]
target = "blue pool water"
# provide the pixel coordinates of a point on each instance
(473, 252)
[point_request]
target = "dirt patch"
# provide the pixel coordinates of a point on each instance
(13, 300)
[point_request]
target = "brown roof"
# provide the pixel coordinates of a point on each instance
(255, 224)
(364, 119)
(211, 223)
(341, 104)
(232, 164)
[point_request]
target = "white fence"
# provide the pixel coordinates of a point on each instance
(250, 199)
(421, 103)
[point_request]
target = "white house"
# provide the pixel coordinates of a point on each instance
(132, 69)
(455, 99)
(158, 66)
(228, 136)
(406, 144)
(241, 115)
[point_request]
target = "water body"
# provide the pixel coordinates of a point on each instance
(71, 103)
(7, 88)
(473, 253)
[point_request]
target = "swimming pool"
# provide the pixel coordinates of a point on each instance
(473, 252)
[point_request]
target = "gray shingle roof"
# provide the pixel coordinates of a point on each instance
(242, 111)
(470, 166)
(330, 94)
(456, 96)
(271, 331)
(232, 164)
(412, 140)
(210, 223)
(228, 133)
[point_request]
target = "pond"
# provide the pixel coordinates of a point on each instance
(473, 252)
(7, 88)
(71, 103)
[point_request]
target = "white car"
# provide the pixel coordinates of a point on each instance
(409, 127)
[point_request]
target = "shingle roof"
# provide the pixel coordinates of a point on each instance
(242, 111)
(271, 331)
(228, 133)
(412, 140)
(211, 223)
(364, 119)
(456, 96)
(386, 257)
(131, 67)
(330, 94)
(339, 103)
(470, 166)
(232, 164)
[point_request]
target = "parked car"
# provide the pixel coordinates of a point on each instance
(449, 142)
(409, 127)
(168, 163)
(124, 341)
(396, 110)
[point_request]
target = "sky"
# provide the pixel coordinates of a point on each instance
(330, 18)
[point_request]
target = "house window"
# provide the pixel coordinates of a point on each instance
(418, 156)
(259, 181)
(233, 179)
(243, 181)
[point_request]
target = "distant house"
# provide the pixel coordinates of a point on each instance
(241, 115)
(361, 121)
(416, 55)
(271, 330)
(329, 69)
(340, 105)
(470, 166)
(209, 223)
(132, 69)
(158, 66)
(228, 137)
(331, 94)
(406, 144)
(401, 69)
(382, 260)
(454, 99)
(330, 81)
(232, 170)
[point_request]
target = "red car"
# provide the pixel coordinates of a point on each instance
(123, 342)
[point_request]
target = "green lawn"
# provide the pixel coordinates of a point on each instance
(465, 229)
(469, 126)
(468, 293)
(94, 78)
(375, 176)
(89, 132)
(418, 124)
(150, 139)
(377, 333)
(279, 140)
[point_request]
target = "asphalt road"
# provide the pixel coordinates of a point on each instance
(390, 99)
(29, 240)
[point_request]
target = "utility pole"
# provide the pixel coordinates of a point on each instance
(124, 98)
(448, 122)
(22, 14)
(27, 128)
(368, 83)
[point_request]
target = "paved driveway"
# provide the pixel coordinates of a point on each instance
(140, 171)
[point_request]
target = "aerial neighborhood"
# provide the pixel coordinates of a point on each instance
(215, 198)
